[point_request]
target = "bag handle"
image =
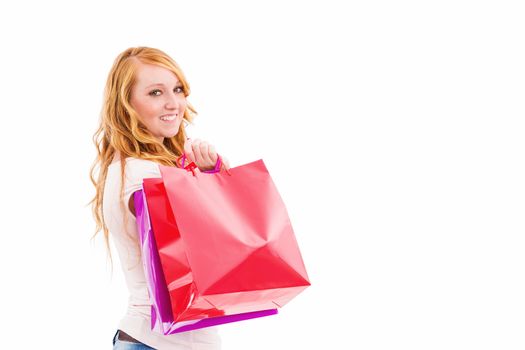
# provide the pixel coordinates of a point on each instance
(191, 166)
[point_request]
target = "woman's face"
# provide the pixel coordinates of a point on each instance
(158, 98)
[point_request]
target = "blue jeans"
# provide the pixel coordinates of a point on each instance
(126, 345)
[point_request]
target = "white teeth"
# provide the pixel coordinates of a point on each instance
(168, 118)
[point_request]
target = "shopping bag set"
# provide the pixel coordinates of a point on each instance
(216, 247)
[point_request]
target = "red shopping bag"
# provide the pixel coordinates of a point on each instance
(225, 242)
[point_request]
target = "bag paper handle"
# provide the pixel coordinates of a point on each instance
(191, 166)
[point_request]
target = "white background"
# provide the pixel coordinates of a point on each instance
(394, 131)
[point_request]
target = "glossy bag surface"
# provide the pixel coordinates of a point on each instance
(162, 319)
(225, 242)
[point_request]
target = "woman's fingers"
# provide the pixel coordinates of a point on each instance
(203, 154)
(200, 150)
(188, 150)
(212, 154)
(196, 150)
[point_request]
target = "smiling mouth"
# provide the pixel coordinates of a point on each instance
(168, 118)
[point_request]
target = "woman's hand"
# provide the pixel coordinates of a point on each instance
(203, 155)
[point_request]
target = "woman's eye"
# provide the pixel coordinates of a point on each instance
(157, 92)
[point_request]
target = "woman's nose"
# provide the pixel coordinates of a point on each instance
(173, 101)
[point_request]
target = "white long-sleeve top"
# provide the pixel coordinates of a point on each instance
(137, 320)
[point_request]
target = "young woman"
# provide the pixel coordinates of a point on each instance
(141, 127)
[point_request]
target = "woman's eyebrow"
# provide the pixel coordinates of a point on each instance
(160, 84)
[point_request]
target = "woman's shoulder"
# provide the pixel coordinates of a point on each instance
(135, 169)
(132, 161)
